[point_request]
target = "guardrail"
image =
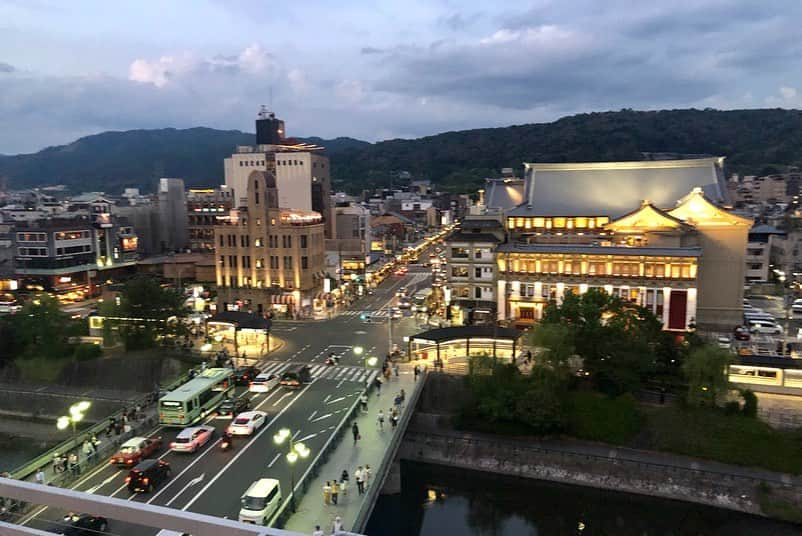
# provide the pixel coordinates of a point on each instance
(25, 471)
(283, 513)
(372, 492)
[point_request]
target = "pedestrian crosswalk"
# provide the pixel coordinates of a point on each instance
(381, 313)
(340, 373)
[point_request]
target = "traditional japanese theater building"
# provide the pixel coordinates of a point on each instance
(653, 232)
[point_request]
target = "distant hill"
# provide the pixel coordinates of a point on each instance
(754, 141)
(112, 161)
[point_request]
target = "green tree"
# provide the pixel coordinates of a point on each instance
(149, 313)
(42, 328)
(555, 343)
(706, 372)
(542, 406)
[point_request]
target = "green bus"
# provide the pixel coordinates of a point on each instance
(196, 398)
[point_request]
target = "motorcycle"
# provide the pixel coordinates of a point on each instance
(332, 360)
(226, 443)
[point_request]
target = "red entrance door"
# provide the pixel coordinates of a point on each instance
(678, 309)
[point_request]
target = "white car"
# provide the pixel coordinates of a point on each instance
(247, 422)
(192, 438)
(765, 326)
(396, 313)
(263, 383)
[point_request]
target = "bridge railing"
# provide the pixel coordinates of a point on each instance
(372, 492)
(25, 471)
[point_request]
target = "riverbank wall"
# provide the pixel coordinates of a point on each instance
(431, 439)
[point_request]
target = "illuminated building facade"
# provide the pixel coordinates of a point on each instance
(685, 264)
(268, 258)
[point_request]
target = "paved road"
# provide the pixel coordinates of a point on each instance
(211, 481)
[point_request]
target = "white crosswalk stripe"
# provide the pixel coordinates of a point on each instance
(322, 371)
(275, 367)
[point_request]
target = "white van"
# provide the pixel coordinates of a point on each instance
(260, 501)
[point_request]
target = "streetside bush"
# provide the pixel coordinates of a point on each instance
(750, 403)
(595, 417)
(87, 352)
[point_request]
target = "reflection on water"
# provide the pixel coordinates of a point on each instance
(440, 501)
(16, 451)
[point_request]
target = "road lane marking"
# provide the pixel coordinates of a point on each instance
(269, 465)
(326, 416)
(326, 399)
(285, 395)
(93, 489)
(310, 436)
(193, 482)
(245, 448)
(312, 416)
(335, 400)
(187, 468)
(296, 434)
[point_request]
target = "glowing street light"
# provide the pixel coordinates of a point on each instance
(76, 415)
(358, 350)
(296, 451)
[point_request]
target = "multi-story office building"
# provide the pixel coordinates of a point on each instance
(269, 258)
(66, 255)
(303, 179)
(204, 207)
(172, 215)
(471, 270)
(353, 243)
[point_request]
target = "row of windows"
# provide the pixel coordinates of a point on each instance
(72, 235)
(32, 252)
(289, 163)
(558, 223)
(31, 237)
(676, 270)
(286, 262)
(245, 241)
(478, 272)
(250, 163)
(73, 250)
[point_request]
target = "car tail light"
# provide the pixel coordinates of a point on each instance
(127, 479)
(145, 480)
(172, 445)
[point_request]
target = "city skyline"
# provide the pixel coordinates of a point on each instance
(399, 70)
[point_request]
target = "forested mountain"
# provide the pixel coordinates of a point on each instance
(753, 141)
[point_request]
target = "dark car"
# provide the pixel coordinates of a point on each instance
(741, 333)
(231, 407)
(294, 378)
(86, 525)
(244, 375)
(146, 475)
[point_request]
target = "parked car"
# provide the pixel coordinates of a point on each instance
(724, 342)
(147, 475)
(192, 438)
(231, 407)
(263, 383)
(136, 449)
(247, 423)
(244, 375)
(86, 525)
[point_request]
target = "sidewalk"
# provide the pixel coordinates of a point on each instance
(369, 450)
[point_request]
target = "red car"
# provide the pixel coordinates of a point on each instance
(402, 271)
(135, 450)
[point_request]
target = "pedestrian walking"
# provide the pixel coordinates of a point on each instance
(86, 448)
(40, 476)
(397, 401)
(318, 532)
(57, 465)
(335, 491)
(395, 370)
(403, 396)
(355, 432)
(387, 374)
(75, 469)
(366, 474)
(327, 493)
(394, 419)
(363, 400)
(378, 383)
(380, 420)
(344, 483)
(337, 526)
(416, 372)
(360, 482)
(95, 445)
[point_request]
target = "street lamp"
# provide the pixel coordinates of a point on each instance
(76, 415)
(358, 350)
(296, 450)
(370, 362)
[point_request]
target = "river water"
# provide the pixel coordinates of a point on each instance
(442, 501)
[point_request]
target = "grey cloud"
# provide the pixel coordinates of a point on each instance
(458, 21)
(6, 68)
(371, 50)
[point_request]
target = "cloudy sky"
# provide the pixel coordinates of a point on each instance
(381, 69)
